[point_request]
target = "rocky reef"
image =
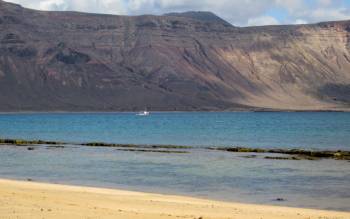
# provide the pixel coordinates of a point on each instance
(296, 154)
(293, 154)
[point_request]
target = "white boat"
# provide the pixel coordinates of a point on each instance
(143, 113)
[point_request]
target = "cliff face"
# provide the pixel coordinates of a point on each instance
(189, 61)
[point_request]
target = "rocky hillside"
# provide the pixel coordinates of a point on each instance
(71, 61)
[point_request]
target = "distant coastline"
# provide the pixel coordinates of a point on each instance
(253, 110)
(220, 67)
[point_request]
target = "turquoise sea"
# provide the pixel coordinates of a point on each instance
(202, 173)
(324, 130)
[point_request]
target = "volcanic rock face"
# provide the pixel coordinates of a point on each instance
(180, 61)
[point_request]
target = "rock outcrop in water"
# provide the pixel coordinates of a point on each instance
(294, 154)
(180, 61)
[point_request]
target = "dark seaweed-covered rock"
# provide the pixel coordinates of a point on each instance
(280, 199)
(245, 150)
(170, 146)
(20, 142)
(250, 156)
(55, 147)
(282, 158)
(154, 151)
(297, 153)
(100, 144)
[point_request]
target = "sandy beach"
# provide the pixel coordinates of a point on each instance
(40, 200)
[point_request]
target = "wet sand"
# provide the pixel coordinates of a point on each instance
(40, 200)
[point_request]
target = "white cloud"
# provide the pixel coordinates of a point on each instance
(323, 14)
(324, 2)
(238, 12)
(291, 5)
(300, 21)
(320, 10)
(94, 6)
(53, 5)
(262, 21)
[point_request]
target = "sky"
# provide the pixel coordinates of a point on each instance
(237, 12)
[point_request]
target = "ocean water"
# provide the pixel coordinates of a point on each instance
(200, 172)
(324, 130)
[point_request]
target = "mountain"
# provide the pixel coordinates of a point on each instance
(201, 16)
(71, 61)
